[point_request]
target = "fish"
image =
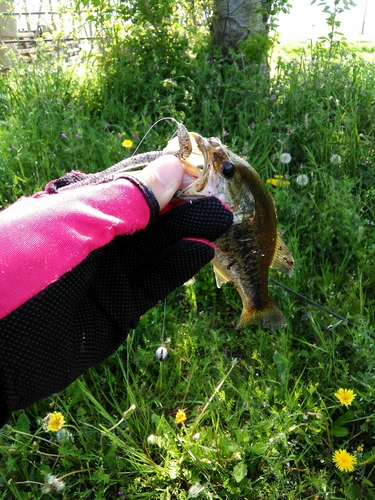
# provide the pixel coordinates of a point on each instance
(246, 251)
(253, 244)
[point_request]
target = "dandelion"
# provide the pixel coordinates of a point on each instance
(180, 416)
(345, 396)
(53, 421)
(344, 461)
(278, 181)
(285, 158)
(335, 159)
(64, 436)
(302, 180)
(53, 483)
(127, 144)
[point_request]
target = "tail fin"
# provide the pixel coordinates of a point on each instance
(270, 317)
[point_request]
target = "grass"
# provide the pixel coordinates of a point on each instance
(262, 419)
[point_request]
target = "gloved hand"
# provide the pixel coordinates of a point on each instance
(79, 268)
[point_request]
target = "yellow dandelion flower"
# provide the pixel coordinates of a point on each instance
(127, 143)
(180, 416)
(54, 421)
(278, 181)
(344, 460)
(345, 396)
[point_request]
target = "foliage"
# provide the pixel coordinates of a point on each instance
(263, 420)
(332, 20)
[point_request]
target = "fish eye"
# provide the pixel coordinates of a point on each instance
(228, 169)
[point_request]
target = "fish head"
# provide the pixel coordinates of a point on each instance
(220, 173)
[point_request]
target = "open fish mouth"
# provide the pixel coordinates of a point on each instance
(199, 179)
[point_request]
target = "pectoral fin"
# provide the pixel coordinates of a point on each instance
(283, 258)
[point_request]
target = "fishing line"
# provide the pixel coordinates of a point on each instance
(313, 303)
(162, 352)
(152, 126)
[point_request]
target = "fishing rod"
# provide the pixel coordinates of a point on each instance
(313, 303)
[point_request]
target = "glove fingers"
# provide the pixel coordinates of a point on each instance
(172, 269)
(207, 219)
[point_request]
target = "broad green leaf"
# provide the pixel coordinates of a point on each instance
(259, 448)
(339, 431)
(240, 471)
(23, 423)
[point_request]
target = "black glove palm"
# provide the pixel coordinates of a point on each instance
(82, 318)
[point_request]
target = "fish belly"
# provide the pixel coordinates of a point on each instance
(243, 258)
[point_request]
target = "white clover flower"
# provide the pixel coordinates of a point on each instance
(302, 180)
(195, 490)
(285, 158)
(335, 159)
(151, 439)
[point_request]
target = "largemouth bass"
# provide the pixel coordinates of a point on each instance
(252, 245)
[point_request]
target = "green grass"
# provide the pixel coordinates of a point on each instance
(262, 418)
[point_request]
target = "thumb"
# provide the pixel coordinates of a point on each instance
(163, 176)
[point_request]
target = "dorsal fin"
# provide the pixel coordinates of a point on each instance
(283, 258)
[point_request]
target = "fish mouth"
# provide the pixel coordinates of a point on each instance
(199, 166)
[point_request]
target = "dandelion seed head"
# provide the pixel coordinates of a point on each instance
(302, 180)
(335, 159)
(54, 483)
(64, 436)
(285, 158)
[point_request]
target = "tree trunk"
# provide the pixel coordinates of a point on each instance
(236, 20)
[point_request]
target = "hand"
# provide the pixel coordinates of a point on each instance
(82, 316)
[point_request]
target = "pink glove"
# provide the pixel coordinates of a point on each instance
(43, 237)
